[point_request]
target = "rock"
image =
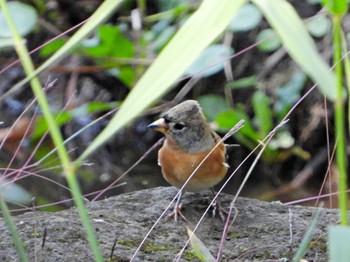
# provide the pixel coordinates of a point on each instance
(260, 232)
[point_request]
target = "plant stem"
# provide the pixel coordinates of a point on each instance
(12, 228)
(339, 120)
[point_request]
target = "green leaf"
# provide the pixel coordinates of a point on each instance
(12, 229)
(336, 7)
(338, 244)
(211, 61)
(201, 251)
(24, 17)
(227, 119)
(41, 124)
(263, 113)
(246, 135)
(86, 110)
(300, 46)
(206, 24)
(269, 40)
(112, 43)
(52, 47)
(289, 93)
(212, 105)
(319, 26)
(249, 81)
(94, 107)
(247, 18)
(14, 193)
(305, 242)
(165, 5)
(124, 73)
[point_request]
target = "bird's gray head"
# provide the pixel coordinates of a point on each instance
(187, 126)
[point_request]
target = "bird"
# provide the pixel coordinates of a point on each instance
(188, 140)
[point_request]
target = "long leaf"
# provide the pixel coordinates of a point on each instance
(197, 33)
(300, 46)
(306, 240)
(199, 248)
(338, 244)
(12, 228)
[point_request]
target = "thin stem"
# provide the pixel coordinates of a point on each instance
(339, 121)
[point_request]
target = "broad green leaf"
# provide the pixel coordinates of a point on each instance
(24, 17)
(212, 105)
(246, 135)
(263, 113)
(227, 119)
(194, 36)
(338, 244)
(52, 47)
(300, 46)
(14, 193)
(112, 43)
(319, 26)
(211, 61)
(269, 40)
(41, 125)
(247, 18)
(288, 93)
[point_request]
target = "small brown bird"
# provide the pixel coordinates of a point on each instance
(189, 139)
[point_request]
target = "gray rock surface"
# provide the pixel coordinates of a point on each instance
(260, 231)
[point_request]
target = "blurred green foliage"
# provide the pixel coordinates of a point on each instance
(117, 48)
(266, 113)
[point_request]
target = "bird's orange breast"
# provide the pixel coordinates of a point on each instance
(177, 166)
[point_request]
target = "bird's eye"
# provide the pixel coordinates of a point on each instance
(166, 119)
(179, 126)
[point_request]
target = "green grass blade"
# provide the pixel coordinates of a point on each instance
(339, 109)
(201, 251)
(300, 46)
(336, 7)
(101, 14)
(12, 228)
(197, 33)
(346, 62)
(305, 242)
(338, 244)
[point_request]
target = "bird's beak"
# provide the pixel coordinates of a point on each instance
(160, 126)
